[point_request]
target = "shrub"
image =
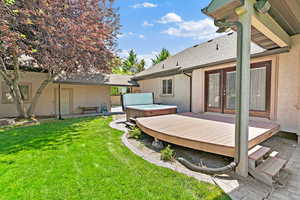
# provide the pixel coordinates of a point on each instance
(135, 133)
(167, 154)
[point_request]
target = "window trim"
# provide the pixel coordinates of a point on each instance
(266, 113)
(4, 101)
(162, 87)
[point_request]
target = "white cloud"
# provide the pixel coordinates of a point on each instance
(170, 18)
(199, 30)
(146, 23)
(131, 34)
(144, 5)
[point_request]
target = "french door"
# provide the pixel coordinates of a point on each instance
(220, 90)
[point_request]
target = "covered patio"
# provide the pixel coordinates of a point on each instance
(268, 23)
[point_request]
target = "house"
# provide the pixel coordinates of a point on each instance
(201, 79)
(75, 93)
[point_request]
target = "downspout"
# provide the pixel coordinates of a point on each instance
(191, 89)
(223, 25)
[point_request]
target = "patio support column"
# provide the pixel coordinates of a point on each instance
(243, 86)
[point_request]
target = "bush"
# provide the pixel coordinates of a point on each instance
(135, 133)
(167, 154)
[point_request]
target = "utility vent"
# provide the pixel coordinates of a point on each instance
(210, 40)
(217, 47)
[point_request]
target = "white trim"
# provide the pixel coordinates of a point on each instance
(162, 85)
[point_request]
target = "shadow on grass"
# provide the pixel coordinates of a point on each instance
(47, 136)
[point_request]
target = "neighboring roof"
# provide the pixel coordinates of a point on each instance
(100, 79)
(214, 51)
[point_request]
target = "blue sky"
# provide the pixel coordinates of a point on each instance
(148, 26)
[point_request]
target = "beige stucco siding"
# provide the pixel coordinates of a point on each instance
(181, 91)
(289, 88)
(82, 95)
(285, 87)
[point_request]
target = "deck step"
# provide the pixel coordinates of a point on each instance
(257, 155)
(130, 125)
(268, 171)
(272, 166)
(258, 152)
(132, 119)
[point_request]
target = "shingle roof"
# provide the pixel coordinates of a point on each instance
(100, 79)
(212, 51)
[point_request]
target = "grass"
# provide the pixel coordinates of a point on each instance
(85, 159)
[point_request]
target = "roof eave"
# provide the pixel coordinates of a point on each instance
(230, 60)
(190, 69)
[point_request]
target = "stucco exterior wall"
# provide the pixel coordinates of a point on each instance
(198, 89)
(289, 88)
(82, 95)
(181, 91)
(285, 87)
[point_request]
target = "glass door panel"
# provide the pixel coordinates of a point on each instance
(214, 92)
(230, 90)
(258, 88)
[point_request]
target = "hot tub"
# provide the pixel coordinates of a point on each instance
(142, 105)
(149, 110)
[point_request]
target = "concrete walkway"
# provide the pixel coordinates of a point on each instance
(236, 187)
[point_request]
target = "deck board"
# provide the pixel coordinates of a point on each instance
(211, 133)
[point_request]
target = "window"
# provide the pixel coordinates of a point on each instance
(167, 87)
(25, 89)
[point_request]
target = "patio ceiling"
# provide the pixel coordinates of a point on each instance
(287, 15)
(271, 30)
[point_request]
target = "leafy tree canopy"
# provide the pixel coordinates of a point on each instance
(163, 55)
(130, 65)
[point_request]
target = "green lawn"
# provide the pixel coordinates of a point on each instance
(85, 159)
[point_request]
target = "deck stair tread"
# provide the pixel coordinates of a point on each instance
(272, 166)
(130, 124)
(258, 152)
(132, 119)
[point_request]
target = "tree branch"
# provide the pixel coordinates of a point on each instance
(3, 71)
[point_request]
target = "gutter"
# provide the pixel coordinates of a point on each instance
(168, 72)
(175, 71)
(98, 84)
(256, 55)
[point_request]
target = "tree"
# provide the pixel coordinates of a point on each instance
(141, 66)
(130, 65)
(60, 37)
(163, 55)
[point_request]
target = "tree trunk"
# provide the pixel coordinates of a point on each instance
(19, 102)
(31, 109)
(13, 85)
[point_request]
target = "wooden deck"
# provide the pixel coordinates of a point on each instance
(205, 132)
